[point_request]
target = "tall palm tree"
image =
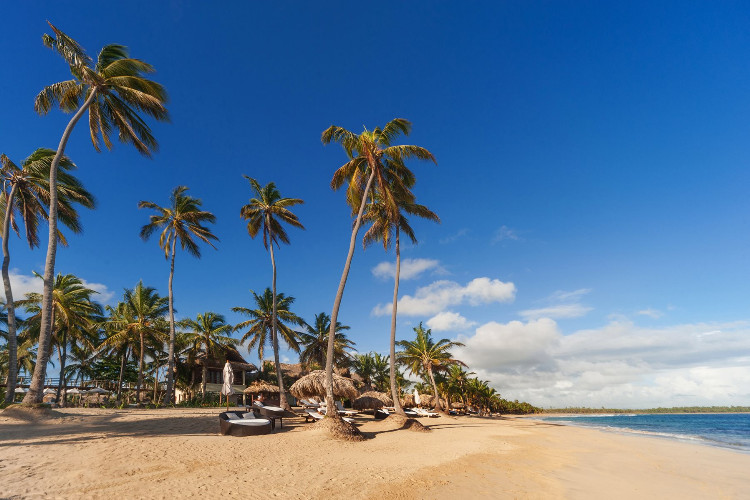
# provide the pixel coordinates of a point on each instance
(267, 212)
(424, 355)
(75, 316)
(261, 322)
(315, 340)
(207, 333)
(182, 220)
(113, 90)
(25, 195)
(387, 226)
(372, 158)
(140, 319)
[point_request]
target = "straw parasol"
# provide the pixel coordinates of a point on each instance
(314, 384)
(457, 405)
(372, 400)
(408, 401)
(260, 386)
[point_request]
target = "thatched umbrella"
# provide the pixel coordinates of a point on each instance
(457, 405)
(429, 401)
(314, 385)
(260, 386)
(372, 400)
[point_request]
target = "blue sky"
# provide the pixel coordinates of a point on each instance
(591, 177)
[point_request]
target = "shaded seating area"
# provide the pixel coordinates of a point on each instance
(270, 412)
(237, 423)
(421, 412)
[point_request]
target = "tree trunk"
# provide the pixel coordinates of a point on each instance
(36, 388)
(394, 390)
(156, 381)
(204, 374)
(170, 363)
(10, 306)
(337, 303)
(140, 369)
(62, 355)
(275, 339)
(122, 374)
(438, 406)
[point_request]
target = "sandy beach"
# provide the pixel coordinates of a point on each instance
(178, 453)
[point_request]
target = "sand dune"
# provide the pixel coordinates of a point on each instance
(178, 453)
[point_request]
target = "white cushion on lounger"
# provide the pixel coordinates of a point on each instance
(250, 421)
(233, 416)
(249, 415)
(273, 408)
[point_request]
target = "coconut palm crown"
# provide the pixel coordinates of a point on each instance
(424, 356)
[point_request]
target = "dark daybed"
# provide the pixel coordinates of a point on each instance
(240, 423)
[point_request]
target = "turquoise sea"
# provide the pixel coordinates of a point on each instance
(725, 430)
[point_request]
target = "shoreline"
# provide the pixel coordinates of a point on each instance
(670, 436)
(165, 453)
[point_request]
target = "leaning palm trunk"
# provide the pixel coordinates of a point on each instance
(61, 383)
(122, 373)
(438, 406)
(339, 295)
(204, 375)
(274, 338)
(170, 362)
(12, 340)
(394, 390)
(140, 369)
(36, 388)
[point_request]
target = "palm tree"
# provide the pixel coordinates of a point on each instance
(315, 341)
(267, 212)
(387, 226)
(207, 333)
(113, 90)
(458, 379)
(25, 195)
(424, 355)
(260, 325)
(371, 157)
(364, 366)
(139, 318)
(183, 220)
(74, 316)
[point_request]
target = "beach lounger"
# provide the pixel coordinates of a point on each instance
(340, 408)
(315, 416)
(421, 412)
(308, 404)
(243, 424)
(385, 412)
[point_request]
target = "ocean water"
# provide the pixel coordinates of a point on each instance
(725, 430)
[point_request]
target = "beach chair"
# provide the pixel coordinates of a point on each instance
(340, 408)
(305, 403)
(315, 416)
(421, 412)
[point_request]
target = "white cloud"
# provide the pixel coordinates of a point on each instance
(504, 233)
(22, 284)
(564, 304)
(449, 321)
(617, 365)
(410, 268)
(651, 313)
(436, 297)
(557, 312)
(455, 236)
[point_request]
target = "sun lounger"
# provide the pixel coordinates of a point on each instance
(308, 404)
(243, 424)
(315, 416)
(340, 408)
(385, 412)
(421, 412)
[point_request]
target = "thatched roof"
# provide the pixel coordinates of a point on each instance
(261, 386)
(408, 400)
(372, 400)
(314, 384)
(427, 400)
(236, 361)
(457, 405)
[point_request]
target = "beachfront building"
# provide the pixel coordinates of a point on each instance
(244, 372)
